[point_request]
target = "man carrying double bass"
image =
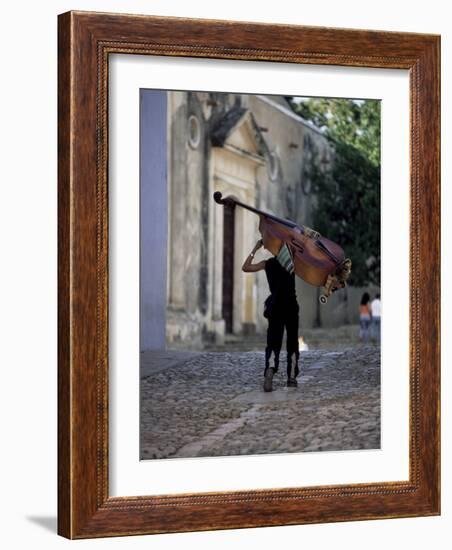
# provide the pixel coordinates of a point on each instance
(297, 250)
(281, 309)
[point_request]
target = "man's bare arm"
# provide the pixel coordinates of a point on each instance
(248, 266)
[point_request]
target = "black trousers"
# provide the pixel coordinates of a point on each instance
(280, 319)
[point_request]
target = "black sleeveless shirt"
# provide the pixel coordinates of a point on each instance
(281, 283)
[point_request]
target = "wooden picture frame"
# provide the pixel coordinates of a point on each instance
(85, 42)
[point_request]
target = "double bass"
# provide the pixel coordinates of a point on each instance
(317, 260)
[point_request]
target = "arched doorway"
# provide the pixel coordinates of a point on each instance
(233, 163)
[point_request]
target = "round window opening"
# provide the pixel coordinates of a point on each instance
(273, 166)
(194, 131)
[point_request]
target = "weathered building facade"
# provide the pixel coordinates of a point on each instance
(257, 149)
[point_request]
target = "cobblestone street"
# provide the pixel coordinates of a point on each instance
(213, 404)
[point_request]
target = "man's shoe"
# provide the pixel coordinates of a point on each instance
(268, 379)
(292, 383)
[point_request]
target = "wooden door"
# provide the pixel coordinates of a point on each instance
(228, 266)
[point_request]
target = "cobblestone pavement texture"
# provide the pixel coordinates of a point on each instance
(213, 404)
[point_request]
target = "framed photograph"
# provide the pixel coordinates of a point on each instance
(248, 275)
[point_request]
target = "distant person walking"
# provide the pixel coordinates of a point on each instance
(364, 318)
(375, 309)
(281, 309)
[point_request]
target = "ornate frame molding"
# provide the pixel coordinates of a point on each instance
(85, 42)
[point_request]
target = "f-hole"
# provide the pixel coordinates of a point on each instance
(228, 266)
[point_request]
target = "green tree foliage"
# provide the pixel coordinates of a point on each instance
(347, 208)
